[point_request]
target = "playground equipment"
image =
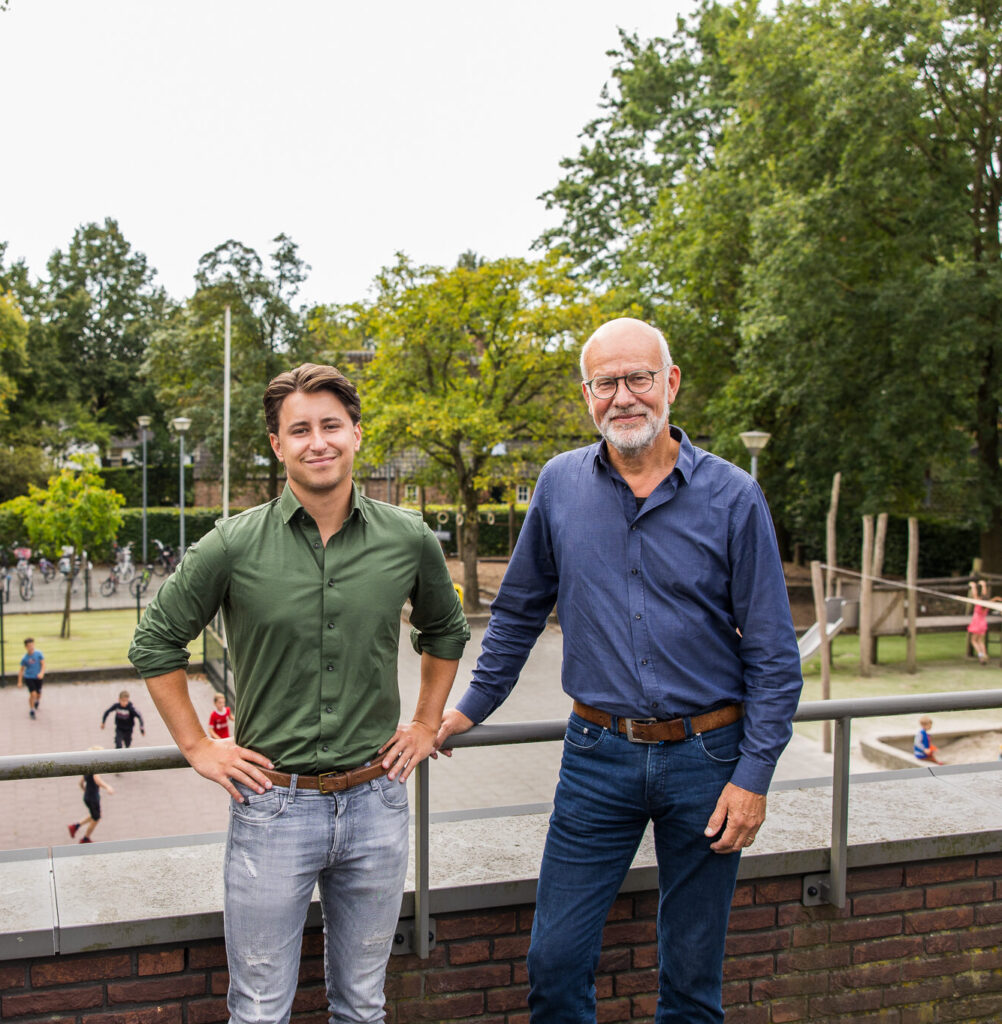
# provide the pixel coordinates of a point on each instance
(836, 612)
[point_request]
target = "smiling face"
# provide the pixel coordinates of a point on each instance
(629, 423)
(316, 442)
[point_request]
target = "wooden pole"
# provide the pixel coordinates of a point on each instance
(821, 614)
(877, 570)
(831, 551)
(865, 597)
(911, 656)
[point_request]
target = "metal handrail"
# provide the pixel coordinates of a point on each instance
(833, 886)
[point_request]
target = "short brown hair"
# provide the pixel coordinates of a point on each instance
(308, 378)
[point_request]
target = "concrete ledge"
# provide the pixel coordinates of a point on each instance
(145, 892)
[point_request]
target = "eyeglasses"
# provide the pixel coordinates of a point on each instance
(638, 382)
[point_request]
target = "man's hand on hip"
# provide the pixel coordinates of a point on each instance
(224, 762)
(453, 722)
(740, 813)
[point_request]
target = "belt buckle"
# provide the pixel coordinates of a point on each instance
(631, 722)
(328, 775)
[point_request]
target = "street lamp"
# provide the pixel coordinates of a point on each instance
(144, 422)
(181, 424)
(754, 441)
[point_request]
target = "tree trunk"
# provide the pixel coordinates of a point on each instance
(64, 630)
(471, 536)
(272, 475)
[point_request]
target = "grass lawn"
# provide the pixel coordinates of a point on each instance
(97, 639)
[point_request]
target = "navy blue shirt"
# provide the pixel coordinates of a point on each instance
(670, 609)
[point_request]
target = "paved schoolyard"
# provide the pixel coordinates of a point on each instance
(178, 802)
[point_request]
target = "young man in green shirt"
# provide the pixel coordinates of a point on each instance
(311, 587)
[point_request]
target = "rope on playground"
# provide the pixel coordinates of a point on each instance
(989, 603)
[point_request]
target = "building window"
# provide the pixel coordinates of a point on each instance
(411, 493)
(523, 492)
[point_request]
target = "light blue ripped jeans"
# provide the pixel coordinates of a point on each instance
(280, 845)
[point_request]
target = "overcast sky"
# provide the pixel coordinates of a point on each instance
(357, 129)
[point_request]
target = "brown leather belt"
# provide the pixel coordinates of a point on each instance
(652, 730)
(329, 782)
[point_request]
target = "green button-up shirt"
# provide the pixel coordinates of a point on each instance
(313, 630)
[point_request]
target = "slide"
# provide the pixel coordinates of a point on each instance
(810, 642)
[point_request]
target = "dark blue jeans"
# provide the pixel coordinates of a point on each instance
(609, 790)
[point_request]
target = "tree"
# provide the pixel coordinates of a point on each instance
(823, 246)
(470, 358)
(75, 508)
(101, 306)
(185, 361)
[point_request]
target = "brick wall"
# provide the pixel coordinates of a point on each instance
(916, 944)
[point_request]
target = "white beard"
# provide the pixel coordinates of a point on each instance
(631, 441)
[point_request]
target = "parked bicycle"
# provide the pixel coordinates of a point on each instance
(49, 570)
(23, 570)
(119, 575)
(139, 585)
(123, 562)
(165, 561)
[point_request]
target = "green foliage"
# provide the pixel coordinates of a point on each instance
(75, 508)
(471, 364)
(13, 349)
(185, 358)
(91, 322)
(808, 199)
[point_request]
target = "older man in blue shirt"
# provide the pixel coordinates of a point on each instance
(682, 663)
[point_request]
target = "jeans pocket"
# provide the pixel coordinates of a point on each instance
(581, 735)
(720, 749)
(259, 808)
(393, 795)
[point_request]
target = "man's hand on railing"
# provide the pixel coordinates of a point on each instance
(453, 721)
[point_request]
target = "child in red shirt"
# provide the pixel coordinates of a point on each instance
(219, 720)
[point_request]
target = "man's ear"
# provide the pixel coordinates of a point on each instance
(276, 446)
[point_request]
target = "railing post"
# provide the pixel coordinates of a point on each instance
(422, 921)
(831, 887)
(840, 814)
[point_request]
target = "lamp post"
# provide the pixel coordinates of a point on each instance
(144, 422)
(181, 424)
(754, 441)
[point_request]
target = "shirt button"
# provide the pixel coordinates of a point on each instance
(643, 661)
(329, 708)
(330, 625)
(634, 571)
(325, 748)
(316, 543)
(637, 616)
(330, 668)
(330, 583)
(632, 527)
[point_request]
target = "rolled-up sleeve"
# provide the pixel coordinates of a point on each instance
(439, 625)
(185, 603)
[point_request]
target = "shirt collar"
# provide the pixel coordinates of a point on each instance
(289, 504)
(683, 462)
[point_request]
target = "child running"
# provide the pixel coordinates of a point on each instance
(219, 720)
(125, 720)
(92, 786)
